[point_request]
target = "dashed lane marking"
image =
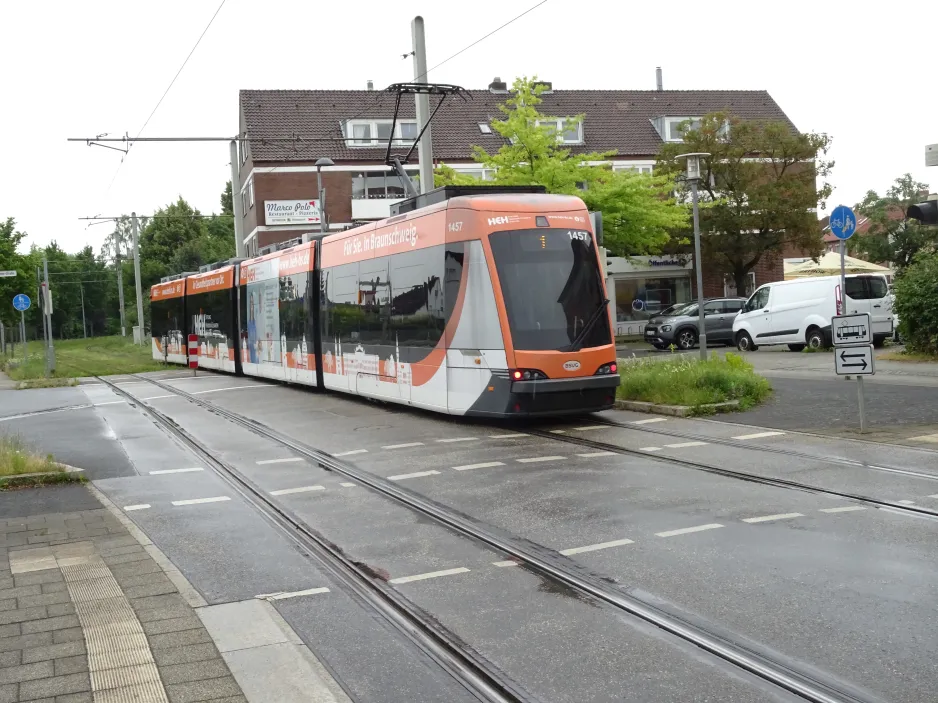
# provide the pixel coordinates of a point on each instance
(844, 509)
(139, 506)
(906, 502)
(513, 435)
(292, 594)
(769, 518)
(157, 397)
(176, 471)
(507, 562)
(649, 449)
(352, 451)
(935, 495)
(558, 432)
(430, 575)
(596, 547)
(681, 445)
(587, 455)
(483, 465)
(109, 402)
(402, 446)
(288, 460)
(535, 459)
(925, 438)
(416, 474)
(648, 421)
(688, 530)
(231, 388)
(348, 485)
(758, 435)
(299, 489)
(587, 428)
(458, 439)
(198, 501)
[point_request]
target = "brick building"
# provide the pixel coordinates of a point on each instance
(286, 131)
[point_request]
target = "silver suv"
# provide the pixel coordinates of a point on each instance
(679, 325)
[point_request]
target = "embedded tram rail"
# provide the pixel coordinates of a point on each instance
(481, 677)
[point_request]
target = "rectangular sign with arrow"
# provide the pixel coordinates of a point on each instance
(854, 361)
(851, 330)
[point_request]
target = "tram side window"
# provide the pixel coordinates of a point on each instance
(452, 278)
(294, 306)
(374, 300)
(212, 315)
(417, 297)
(166, 317)
(341, 316)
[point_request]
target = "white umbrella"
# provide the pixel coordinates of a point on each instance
(829, 265)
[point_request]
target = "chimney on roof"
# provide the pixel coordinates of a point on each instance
(371, 85)
(498, 86)
(659, 81)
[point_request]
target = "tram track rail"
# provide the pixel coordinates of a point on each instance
(806, 685)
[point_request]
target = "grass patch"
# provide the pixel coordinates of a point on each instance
(685, 381)
(99, 356)
(908, 356)
(16, 458)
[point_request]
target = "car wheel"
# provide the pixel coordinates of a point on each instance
(744, 342)
(815, 339)
(686, 339)
(796, 347)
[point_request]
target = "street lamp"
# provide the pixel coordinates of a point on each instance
(692, 176)
(322, 206)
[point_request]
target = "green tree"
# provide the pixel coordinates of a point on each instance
(890, 236)
(917, 303)
(638, 212)
(12, 260)
(758, 191)
(227, 200)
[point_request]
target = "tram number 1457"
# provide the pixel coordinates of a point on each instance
(582, 236)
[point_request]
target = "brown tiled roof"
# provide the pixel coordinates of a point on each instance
(615, 119)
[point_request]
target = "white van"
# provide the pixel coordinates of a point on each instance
(798, 313)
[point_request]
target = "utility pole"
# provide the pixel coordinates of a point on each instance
(425, 145)
(84, 325)
(120, 283)
(236, 198)
(47, 313)
(133, 219)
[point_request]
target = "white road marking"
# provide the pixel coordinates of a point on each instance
(925, 438)
(592, 454)
(649, 449)
(430, 575)
(288, 460)
(353, 451)
(197, 501)
(176, 471)
(591, 427)
(688, 530)
(348, 485)
(300, 489)
(508, 562)
(906, 502)
(758, 435)
(292, 594)
(648, 421)
(680, 445)
(845, 509)
(156, 397)
(109, 402)
(484, 465)
(513, 435)
(230, 388)
(139, 506)
(935, 495)
(402, 446)
(558, 432)
(416, 474)
(535, 459)
(767, 518)
(595, 547)
(458, 439)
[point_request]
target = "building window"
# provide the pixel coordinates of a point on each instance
(244, 203)
(251, 191)
(243, 146)
(676, 127)
(482, 174)
(374, 133)
(729, 286)
(568, 131)
(485, 128)
(645, 169)
(380, 185)
(639, 298)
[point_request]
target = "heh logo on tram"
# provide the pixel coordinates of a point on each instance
(571, 365)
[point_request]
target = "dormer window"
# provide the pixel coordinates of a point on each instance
(568, 131)
(672, 129)
(375, 133)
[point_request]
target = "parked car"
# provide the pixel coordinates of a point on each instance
(798, 312)
(679, 325)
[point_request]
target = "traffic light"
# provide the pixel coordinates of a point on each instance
(926, 213)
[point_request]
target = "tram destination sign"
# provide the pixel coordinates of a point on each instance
(851, 330)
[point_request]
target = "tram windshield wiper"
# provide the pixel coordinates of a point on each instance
(577, 343)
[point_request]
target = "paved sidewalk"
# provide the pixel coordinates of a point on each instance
(88, 614)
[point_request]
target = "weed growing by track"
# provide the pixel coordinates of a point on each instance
(686, 381)
(16, 458)
(99, 356)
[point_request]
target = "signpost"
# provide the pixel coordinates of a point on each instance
(854, 361)
(22, 302)
(853, 352)
(194, 353)
(7, 274)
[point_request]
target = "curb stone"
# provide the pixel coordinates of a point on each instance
(677, 410)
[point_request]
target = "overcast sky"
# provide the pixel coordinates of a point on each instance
(74, 69)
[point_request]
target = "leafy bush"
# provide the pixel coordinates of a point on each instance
(17, 458)
(686, 381)
(917, 303)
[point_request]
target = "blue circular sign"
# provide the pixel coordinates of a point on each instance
(21, 302)
(843, 222)
(638, 304)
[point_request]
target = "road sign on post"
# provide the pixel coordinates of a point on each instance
(22, 302)
(851, 330)
(854, 361)
(194, 353)
(853, 350)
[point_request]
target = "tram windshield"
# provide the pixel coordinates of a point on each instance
(553, 289)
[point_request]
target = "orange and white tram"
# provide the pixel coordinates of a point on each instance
(486, 305)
